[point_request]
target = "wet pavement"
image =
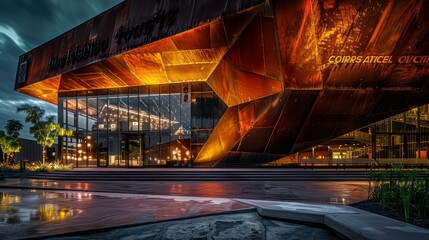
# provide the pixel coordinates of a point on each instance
(310, 191)
(36, 207)
(31, 213)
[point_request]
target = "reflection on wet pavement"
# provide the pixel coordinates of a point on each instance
(45, 207)
(346, 192)
(30, 213)
(12, 212)
(51, 212)
(9, 198)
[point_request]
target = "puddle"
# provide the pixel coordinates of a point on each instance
(32, 213)
(52, 212)
(55, 184)
(31, 206)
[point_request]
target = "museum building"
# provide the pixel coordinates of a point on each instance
(181, 83)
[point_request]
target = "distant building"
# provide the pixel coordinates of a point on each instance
(32, 151)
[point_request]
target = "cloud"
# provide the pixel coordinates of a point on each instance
(50, 109)
(10, 103)
(25, 25)
(11, 33)
(36, 22)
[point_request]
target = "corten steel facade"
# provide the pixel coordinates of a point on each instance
(222, 82)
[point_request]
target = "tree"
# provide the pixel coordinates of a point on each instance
(44, 129)
(9, 140)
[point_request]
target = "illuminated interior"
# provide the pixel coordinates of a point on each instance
(143, 126)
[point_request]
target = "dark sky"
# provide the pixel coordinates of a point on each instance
(26, 24)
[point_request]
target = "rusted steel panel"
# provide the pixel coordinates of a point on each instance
(222, 139)
(296, 106)
(296, 27)
(124, 27)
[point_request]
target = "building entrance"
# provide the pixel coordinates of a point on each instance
(132, 150)
(102, 157)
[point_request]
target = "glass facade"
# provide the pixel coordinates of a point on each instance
(144, 126)
(403, 138)
(405, 135)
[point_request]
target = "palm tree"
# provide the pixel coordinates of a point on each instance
(44, 129)
(9, 141)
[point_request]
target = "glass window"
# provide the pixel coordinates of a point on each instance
(123, 110)
(196, 109)
(206, 106)
(133, 102)
(102, 146)
(62, 113)
(92, 113)
(155, 123)
(154, 108)
(185, 120)
(165, 109)
(62, 116)
(174, 112)
(113, 110)
(144, 104)
(113, 148)
(102, 112)
(72, 150)
(164, 123)
(71, 113)
(82, 112)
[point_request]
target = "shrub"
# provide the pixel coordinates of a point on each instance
(5, 167)
(402, 189)
(59, 166)
(40, 167)
(9, 167)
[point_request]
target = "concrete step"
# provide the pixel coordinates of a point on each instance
(207, 175)
(207, 179)
(203, 176)
(181, 173)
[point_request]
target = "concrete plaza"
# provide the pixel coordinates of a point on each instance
(177, 210)
(343, 192)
